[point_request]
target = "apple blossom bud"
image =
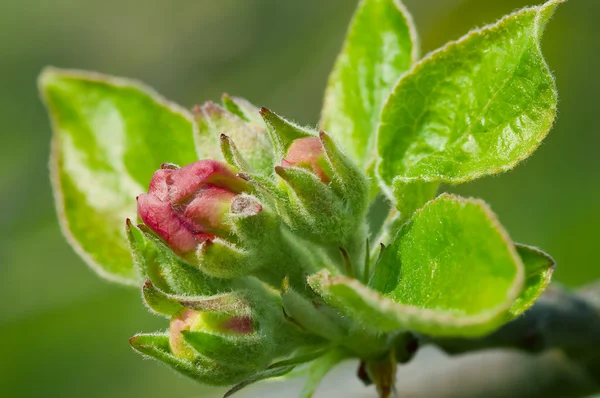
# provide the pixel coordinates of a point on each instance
(308, 153)
(187, 206)
(326, 191)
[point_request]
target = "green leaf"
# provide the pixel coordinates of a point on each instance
(475, 107)
(539, 267)
(451, 271)
(110, 135)
(380, 46)
(319, 369)
(244, 109)
(311, 317)
(411, 196)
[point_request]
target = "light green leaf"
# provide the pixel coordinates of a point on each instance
(244, 109)
(110, 135)
(411, 196)
(319, 369)
(250, 139)
(451, 271)
(539, 267)
(380, 46)
(475, 107)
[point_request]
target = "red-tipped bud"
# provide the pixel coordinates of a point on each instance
(308, 153)
(187, 206)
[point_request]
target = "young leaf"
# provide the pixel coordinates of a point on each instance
(539, 267)
(251, 140)
(476, 107)
(411, 196)
(110, 135)
(380, 46)
(451, 271)
(244, 109)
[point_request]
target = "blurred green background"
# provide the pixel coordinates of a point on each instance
(63, 331)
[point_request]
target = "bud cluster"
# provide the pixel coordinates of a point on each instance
(227, 244)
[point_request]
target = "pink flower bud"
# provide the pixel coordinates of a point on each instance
(184, 321)
(187, 206)
(308, 153)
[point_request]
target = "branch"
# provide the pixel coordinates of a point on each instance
(553, 350)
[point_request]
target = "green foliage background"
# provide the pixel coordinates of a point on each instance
(63, 330)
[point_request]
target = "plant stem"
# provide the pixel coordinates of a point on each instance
(382, 372)
(553, 350)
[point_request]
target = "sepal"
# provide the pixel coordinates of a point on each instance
(349, 180)
(158, 301)
(313, 210)
(250, 139)
(254, 224)
(264, 187)
(166, 270)
(207, 372)
(232, 155)
(282, 132)
(221, 259)
(311, 316)
(246, 351)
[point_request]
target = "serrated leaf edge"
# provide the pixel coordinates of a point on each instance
(539, 26)
(415, 54)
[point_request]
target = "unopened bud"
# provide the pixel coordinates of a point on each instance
(326, 192)
(188, 206)
(189, 320)
(308, 153)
